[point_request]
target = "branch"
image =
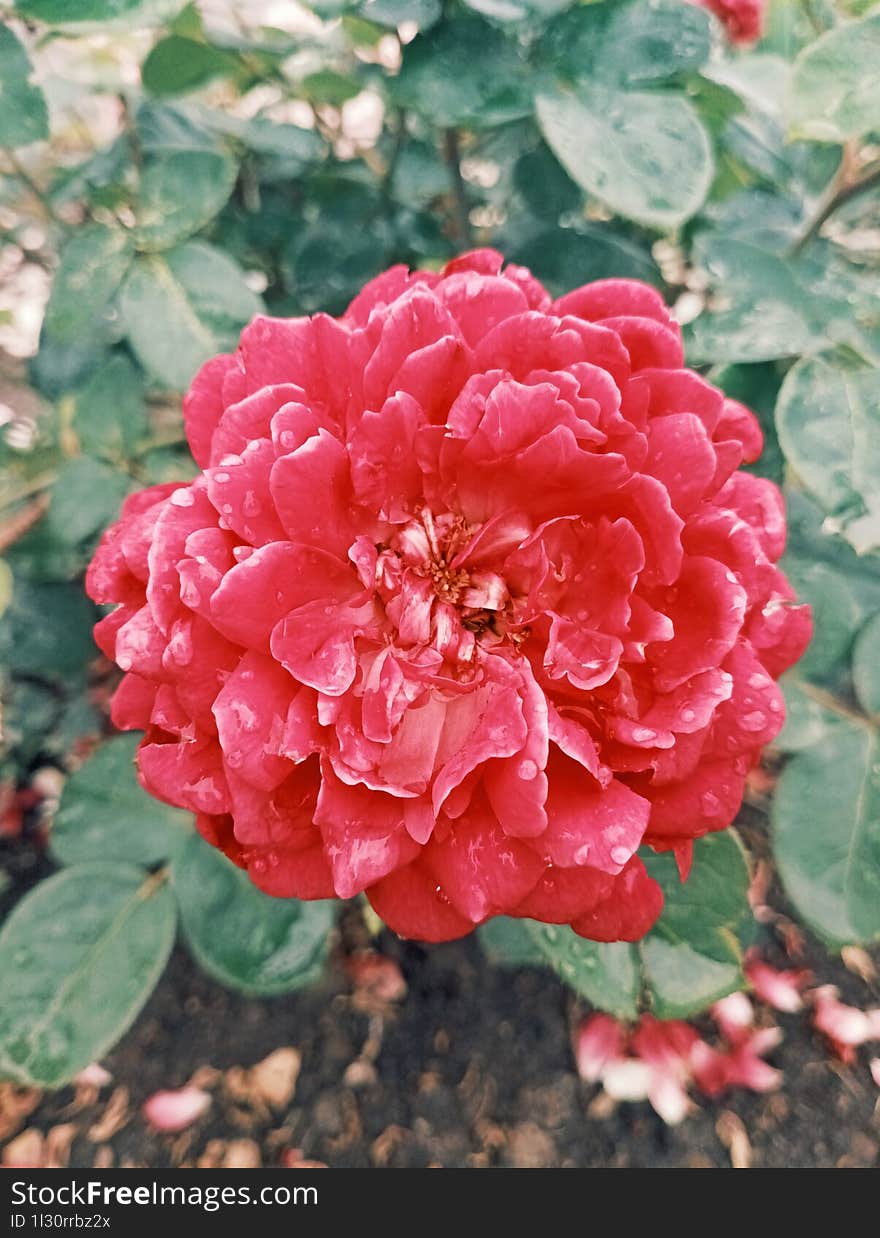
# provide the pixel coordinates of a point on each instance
(22, 174)
(836, 198)
(452, 155)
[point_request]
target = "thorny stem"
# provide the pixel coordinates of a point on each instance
(452, 155)
(841, 191)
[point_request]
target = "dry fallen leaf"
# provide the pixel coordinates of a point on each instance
(242, 1154)
(26, 1151)
(115, 1116)
(733, 1135)
(16, 1104)
(274, 1079)
(858, 961)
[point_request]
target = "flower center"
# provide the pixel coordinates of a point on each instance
(435, 594)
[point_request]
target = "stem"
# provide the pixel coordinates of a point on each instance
(840, 193)
(21, 172)
(42, 482)
(813, 17)
(452, 155)
(835, 706)
(397, 147)
(16, 526)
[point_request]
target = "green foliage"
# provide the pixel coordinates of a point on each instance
(104, 814)
(835, 87)
(828, 422)
(826, 826)
(23, 114)
(182, 307)
(618, 138)
(93, 265)
(242, 937)
(80, 955)
(691, 958)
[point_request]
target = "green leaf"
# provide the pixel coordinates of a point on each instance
(393, 12)
(692, 957)
(47, 630)
(764, 313)
(807, 719)
(268, 137)
(23, 114)
(606, 975)
(177, 65)
(105, 815)
(183, 307)
(180, 192)
(242, 937)
(631, 44)
(683, 982)
(545, 187)
(757, 386)
(826, 834)
(839, 606)
(93, 265)
(645, 155)
(329, 87)
(828, 422)
(834, 92)
(79, 956)
(87, 497)
(564, 258)
(649, 41)
(108, 413)
(445, 81)
(510, 943)
(704, 910)
(59, 12)
(516, 10)
(866, 666)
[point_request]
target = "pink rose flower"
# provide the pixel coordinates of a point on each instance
(467, 602)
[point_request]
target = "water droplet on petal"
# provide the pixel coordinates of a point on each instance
(643, 734)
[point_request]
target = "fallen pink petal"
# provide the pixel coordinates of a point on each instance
(598, 1043)
(734, 1015)
(172, 1111)
(783, 990)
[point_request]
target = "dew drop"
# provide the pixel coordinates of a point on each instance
(643, 734)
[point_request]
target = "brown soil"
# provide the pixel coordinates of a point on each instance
(472, 1067)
